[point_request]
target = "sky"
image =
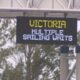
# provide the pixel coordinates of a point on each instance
(78, 25)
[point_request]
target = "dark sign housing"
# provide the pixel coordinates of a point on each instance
(46, 30)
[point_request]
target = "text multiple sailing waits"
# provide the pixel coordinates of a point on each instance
(47, 35)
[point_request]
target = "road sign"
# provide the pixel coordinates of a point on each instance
(46, 30)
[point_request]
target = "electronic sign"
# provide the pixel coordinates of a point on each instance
(46, 30)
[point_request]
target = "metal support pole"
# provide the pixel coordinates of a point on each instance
(64, 61)
(63, 67)
(78, 67)
(52, 4)
(11, 3)
(64, 64)
(78, 63)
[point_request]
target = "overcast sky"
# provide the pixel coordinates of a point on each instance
(78, 24)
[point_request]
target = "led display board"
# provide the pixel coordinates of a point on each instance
(46, 30)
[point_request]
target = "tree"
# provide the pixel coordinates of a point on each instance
(40, 60)
(13, 73)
